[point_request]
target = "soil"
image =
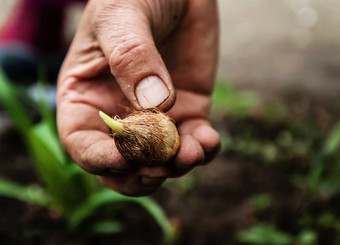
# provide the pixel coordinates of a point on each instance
(212, 212)
(213, 207)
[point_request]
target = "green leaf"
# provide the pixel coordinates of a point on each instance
(75, 193)
(332, 142)
(46, 135)
(261, 201)
(329, 220)
(47, 113)
(285, 138)
(158, 214)
(32, 194)
(17, 112)
(48, 163)
(330, 185)
(226, 141)
(331, 145)
(239, 103)
(106, 196)
(307, 237)
(88, 184)
(264, 234)
(107, 227)
(89, 206)
(269, 152)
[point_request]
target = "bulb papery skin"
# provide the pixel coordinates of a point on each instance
(148, 137)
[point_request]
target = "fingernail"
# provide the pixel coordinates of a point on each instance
(151, 92)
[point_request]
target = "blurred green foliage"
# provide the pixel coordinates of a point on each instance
(226, 98)
(304, 154)
(67, 189)
(264, 234)
(262, 201)
(266, 135)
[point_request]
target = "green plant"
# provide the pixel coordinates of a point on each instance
(327, 159)
(238, 103)
(261, 201)
(301, 156)
(67, 189)
(266, 234)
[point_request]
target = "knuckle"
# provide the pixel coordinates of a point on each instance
(94, 164)
(128, 51)
(88, 165)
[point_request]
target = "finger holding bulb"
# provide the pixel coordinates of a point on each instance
(150, 139)
(118, 47)
(147, 137)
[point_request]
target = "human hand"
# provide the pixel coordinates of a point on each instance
(137, 54)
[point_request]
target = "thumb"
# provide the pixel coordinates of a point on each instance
(125, 36)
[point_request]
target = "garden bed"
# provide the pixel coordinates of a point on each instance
(257, 185)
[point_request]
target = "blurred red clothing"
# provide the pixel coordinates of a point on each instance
(37, 24)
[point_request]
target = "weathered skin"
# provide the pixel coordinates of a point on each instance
(119, 43)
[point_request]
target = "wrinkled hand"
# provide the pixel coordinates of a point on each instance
(129, 53)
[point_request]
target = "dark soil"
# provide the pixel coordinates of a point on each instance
(212, 208)
(213, 211)
(22, 223)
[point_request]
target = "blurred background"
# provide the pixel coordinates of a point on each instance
(276, 181)
(275, 45)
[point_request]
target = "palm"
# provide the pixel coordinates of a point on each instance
(86, 86)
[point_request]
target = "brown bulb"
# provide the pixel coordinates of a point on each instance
(147, 137)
